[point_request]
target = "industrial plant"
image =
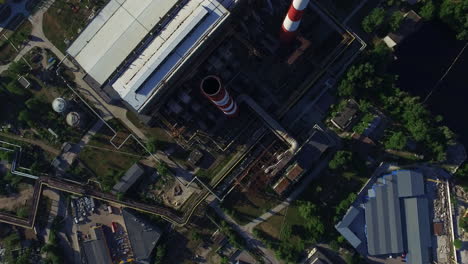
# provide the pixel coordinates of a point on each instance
(220, 77)
(228, 131)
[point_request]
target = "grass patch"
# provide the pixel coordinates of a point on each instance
(7, 51)
(65, 19)
(107, 166)
(244, 207)
(328, 198)
(151, 132)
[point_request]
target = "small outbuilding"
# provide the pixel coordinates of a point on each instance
(411, 23)
(24, 82)
(129, 179)
(344, 119)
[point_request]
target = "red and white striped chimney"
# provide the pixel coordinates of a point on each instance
(292, 20)
(212, 88)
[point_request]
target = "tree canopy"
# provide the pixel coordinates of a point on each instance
(397, 141)
(341, 159)
(455, 13)
(375, 19)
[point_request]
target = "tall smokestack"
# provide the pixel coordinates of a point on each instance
(212, 88)
(292, 20)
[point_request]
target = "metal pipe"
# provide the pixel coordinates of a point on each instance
(285, 157)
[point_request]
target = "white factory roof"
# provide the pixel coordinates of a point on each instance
(172, 46)
(113, 34)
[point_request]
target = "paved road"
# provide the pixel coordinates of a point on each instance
(252, 242)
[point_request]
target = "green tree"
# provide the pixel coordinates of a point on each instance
(428, 10)
(154, 145)
(162, 169)
(345, 204)
(341, 160)
(15, 88)
(457, 243)
(455, 13)
(396, 141)
(22, 212)
(395, 20)
(375, 18)
(462, 172)
(160, 254)
(464, 223)
(307, 209)
(224, 260)
(380, 56)
(359, 78)
(18, 68)
(120, 196)
(195, 235)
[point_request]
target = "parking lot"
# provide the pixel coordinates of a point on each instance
(112, 223)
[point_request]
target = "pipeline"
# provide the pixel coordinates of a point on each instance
(278, 130)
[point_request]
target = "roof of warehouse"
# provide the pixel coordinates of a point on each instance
(383, 218)
(143, 236)
(113, 34)
(96, 251)
(344, 227)
(419, 238)
(410, 183)
(167, 52)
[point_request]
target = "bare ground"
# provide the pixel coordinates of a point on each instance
(12, 202)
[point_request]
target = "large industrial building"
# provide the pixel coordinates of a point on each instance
(393, 220)
(136, 47)
(218, 78)
(143, 236)
(96, 250)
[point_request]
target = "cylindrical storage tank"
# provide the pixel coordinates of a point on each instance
(292, 20)
(212, 88)
(73, 119)
(59, 105)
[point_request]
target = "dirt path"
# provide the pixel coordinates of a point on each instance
(39, 143)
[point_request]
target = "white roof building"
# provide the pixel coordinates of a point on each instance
(122, 25)
(114, 33)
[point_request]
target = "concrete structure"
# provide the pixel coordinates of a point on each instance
(138, 48)
(128, 180)
(292, 20)
(142, 235)
(212, 88)
(59, 105)
(96, 250)
(397, 222)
